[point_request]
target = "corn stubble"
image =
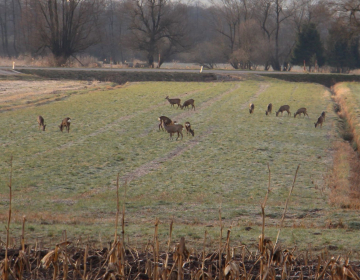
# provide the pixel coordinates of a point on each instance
(84, 261)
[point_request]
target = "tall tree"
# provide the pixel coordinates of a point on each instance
(66, 27)
(4, 25)
(227, 17)
(343, 48)
(308, 47)
(158, 28)
(272, 16)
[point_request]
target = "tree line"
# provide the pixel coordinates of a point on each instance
(244, 33)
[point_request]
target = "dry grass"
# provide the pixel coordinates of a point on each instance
(344, 181)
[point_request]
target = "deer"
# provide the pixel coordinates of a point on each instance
(41, 123)
(319, 122)
(251, 108)
(323, 115)
(173, 101)
(269, 109)
(174, 128)
(163, 119)
(65, 123)
(188, 129)
(187, 103)
(282, 109)
(301, 111)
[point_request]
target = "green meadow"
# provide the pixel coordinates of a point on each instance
(67, 181)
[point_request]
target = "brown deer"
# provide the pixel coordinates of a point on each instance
(163, 119)
(319, 122)
(173, 101)
(282, 109)
(187, 103)
(188, 129)
(301, 111)
(251, 108)
(323, 115)
(41, 123)
(174, 128)
(269, 109)
(65, 123)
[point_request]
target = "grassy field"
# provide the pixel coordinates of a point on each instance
(67, 181)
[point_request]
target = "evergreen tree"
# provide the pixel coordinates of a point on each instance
(343, 49)
(308, 47)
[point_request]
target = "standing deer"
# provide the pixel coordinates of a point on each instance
(163, 119)
(173, 101)
(187, 103)
(269, 109)
(323, 115)
(282, 109)
(188, 129)
(251, 108)
(301, 111)
(319, 122)
(174, 128)
(41, 123)
(65, 123)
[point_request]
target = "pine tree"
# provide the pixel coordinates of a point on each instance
(308, 47)
(343, 49)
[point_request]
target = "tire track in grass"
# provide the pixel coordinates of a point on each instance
(262, 88)
(190, 112)
(112, 124)
(156, 163)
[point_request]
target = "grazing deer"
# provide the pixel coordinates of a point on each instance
(269, 109)
(65, 123)
(174, 128)
(41, 123)
(163, 119)
(282, 109)
(188, 129)
(319, 122)
(187, 103)
(301, 111)
(251, 108)
(174, 101)
(323, 115)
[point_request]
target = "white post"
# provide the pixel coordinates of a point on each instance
(13, 65)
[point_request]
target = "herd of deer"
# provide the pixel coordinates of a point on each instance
(173, 127)
(286, 108)
(65, 123)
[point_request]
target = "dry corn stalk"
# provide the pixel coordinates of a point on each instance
(181, 254)
(232, 270)
(54, 257)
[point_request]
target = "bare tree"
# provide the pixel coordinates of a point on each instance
(66, 27)
(4, 23)
(158, 28)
